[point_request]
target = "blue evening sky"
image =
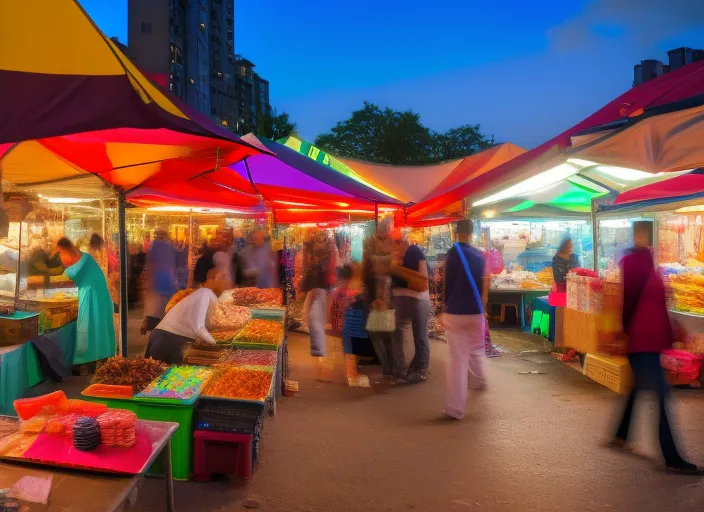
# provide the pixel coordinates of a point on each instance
(524, 70)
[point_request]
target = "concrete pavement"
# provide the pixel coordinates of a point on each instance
(530, 443)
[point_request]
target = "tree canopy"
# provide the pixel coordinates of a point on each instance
(388, 136)
(274, 126)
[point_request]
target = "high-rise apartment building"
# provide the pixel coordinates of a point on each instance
(252, 95)
(651, 68)
(192, 44)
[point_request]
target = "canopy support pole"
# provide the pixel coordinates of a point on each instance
(122, 229)
(376, 217)
(595, 235)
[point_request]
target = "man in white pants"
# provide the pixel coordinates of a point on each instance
(464, 320)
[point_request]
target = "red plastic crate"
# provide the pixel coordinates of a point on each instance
(221, 453)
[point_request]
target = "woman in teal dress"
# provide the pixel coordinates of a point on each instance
(95, 330)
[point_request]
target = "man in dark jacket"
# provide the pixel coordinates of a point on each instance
(647, 324)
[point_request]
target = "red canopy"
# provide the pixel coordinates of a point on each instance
(690, 184)
(679, 84)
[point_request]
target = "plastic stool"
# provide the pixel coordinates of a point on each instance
(222, 453)
(502, 319)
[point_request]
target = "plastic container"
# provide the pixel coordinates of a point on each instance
(684, 365)
(108, 391)
(614, 372)
(181, 442)
(28, 407)
(226, 415)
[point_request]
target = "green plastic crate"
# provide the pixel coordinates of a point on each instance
(182, 440)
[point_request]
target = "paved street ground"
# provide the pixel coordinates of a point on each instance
(530, 443)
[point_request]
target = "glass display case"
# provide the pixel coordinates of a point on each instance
(615, 237)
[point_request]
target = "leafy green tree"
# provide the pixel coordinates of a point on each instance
(273, 125)
(393, 137)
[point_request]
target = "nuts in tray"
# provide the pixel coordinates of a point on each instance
(261, 331)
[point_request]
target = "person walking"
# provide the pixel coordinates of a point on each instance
(161, 280)
(258, 263)
(409, 285)
(466, 291)
(647, 325)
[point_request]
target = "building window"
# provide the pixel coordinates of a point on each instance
(224, 122)
(202, 26)
(243, 71)
(146, 28)
(192, 81)
(261, 87)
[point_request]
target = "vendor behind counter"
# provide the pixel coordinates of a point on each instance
(187, 321)
(564, 261)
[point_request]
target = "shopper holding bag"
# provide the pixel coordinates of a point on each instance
(466, 291)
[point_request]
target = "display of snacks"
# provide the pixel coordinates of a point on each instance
(15, 445)
(178, 297)
(34, 425)
(252, 357)
(257, 296)
(229, 317)
(62, 425)
(137, 372)
(240, 383)
(178, 382)
(206, 354)
(545, 276)
(117, 428)
(224, 336)
(8, 427)
(262, 331)
(687, 292)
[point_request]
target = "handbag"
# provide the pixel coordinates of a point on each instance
(415, 281)
(381, 321)
(470, 278)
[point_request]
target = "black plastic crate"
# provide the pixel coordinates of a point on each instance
(229, 416)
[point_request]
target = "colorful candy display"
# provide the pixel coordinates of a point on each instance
(129, 372)
(261, 331)
(224, 336)
(251, 357)
(243, 383)
(178, 382)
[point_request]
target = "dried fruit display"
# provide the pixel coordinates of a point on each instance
(242, 383)
(261, 331)
(178, 382)
(251, 357)
(271, 297)
(138, 372)
(229, 317)
(224, 336)
(178, 297)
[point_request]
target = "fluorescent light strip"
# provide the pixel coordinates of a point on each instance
(537, 182)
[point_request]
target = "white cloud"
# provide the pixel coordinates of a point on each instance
(644, 22)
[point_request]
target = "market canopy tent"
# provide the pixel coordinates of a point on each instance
(73, 104)
(683, 186)
(295, 187)
(448, 191)
(665, 139)
(548, 162)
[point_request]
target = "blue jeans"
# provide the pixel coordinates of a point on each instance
(648, 375)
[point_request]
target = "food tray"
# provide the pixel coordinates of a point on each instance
(109, 391)
(244, 400)
(269, 313)
(141, 397)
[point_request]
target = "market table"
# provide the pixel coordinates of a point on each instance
(79, 491)
(515, 296)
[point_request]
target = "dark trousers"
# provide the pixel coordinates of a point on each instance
(648, 375)
(412, 315)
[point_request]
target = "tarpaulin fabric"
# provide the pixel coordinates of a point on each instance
(668, 142)
(448, 191)
(72, 103)
(680, 186)
(685, 82)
